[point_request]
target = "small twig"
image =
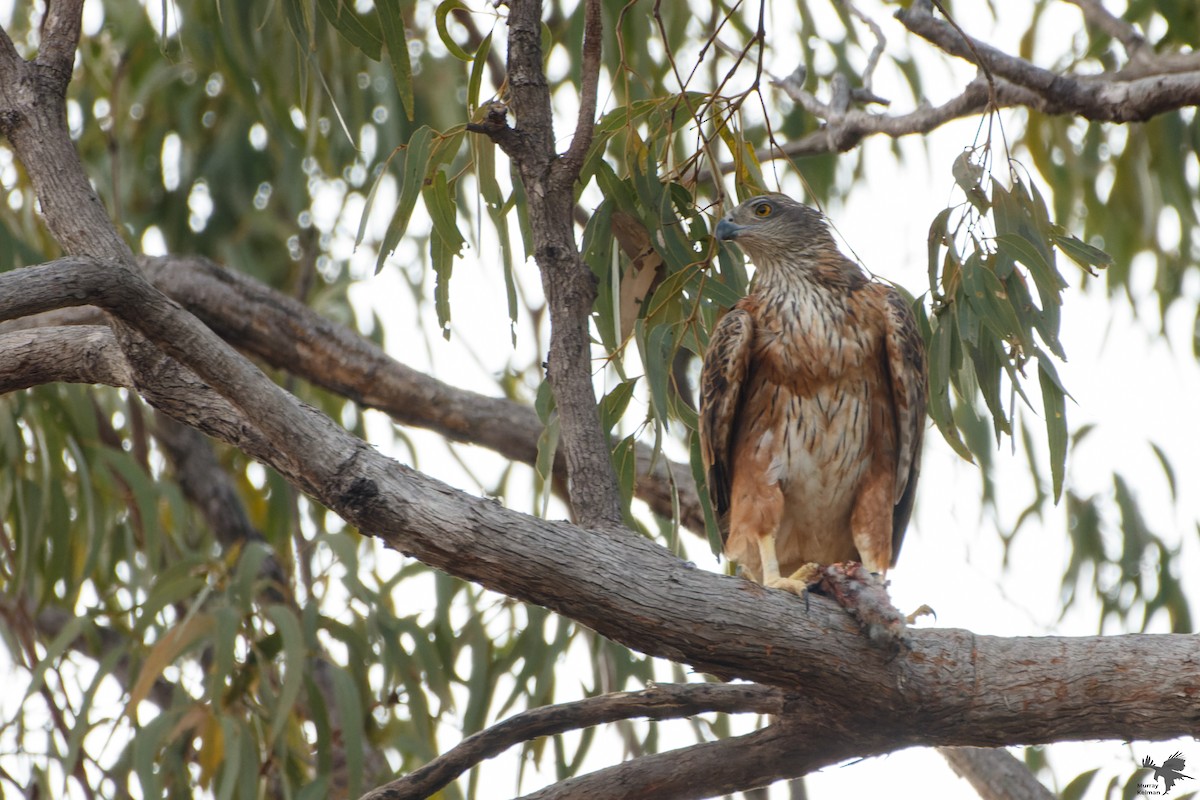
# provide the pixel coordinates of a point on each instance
(664, 701)
(876, 51)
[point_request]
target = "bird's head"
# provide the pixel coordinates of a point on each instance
(775, 229)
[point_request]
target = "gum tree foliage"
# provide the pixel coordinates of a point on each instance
(187, 613)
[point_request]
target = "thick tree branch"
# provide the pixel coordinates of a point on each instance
(661, 701)
(290, 336)
(10, 59)
(127, 295)
(91, 354)
(71, 354)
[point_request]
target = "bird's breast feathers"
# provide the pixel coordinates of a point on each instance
(809, 337)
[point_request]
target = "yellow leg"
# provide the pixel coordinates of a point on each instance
(797, 583)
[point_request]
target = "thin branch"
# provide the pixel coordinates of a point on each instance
(995, 773)
(876, 51)
(1100, 98)
(1096, 15)
(854, 125)
(778, 752)
(60, 37)
(660, 701)
(568, 166)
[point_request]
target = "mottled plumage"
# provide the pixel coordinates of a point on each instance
(812, 405)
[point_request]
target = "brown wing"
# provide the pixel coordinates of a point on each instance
(725, 366)
(906, 371)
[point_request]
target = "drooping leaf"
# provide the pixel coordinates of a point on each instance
(416, 160)
(1055, 408)
(391, 24)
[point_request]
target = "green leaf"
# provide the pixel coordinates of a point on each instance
(938, 238)
(614, 403)
(1168, 470)
(224, 647)
(1055, 409)
(940, 370)
(294, 665)
(440, 21)
(359, 31)
(412, 178)
(439, 202)
(547, 447)
(231, 764)
(349, 702)
(478, 63)
(249, 567)
(991, 300)
(658, 349)
(481, 686)
(624, 460)
(711, 529)
(1078, 785)
(1081, 252)
(172, 644)
(442, 255)
(391, 24)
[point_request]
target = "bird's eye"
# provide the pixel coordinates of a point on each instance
(762, 210)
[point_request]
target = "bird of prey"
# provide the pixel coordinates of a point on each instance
(812, 406)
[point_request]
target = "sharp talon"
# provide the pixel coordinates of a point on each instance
(809, 574)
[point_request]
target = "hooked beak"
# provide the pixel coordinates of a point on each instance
(727, 230)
